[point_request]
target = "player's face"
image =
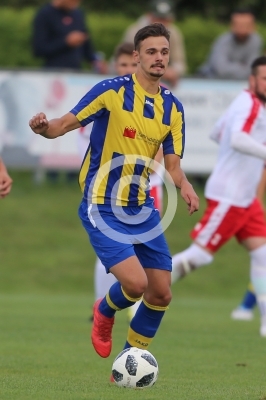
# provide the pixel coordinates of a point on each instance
(125, 64)
(258, 83)
(153, 56)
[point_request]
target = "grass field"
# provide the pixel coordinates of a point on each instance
(46, 296)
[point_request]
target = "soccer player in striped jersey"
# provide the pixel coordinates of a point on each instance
(133, 116)
(124, 64)
(232, 205)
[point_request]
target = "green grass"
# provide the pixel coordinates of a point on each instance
(46, 288)
(46, 352)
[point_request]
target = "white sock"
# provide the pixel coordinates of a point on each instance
(102, 280)
(258, 278)
(188, 260)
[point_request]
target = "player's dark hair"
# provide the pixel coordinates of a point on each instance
(257, 63)
(123, 48)
(154, 30)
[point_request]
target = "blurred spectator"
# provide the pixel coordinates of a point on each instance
(5, 180)
(233, 52)
(162, 11)
(61, 38)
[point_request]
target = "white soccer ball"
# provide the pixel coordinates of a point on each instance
(135, 368)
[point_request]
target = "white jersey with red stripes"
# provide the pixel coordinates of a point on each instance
(236, 175)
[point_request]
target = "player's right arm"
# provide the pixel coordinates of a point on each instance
(94, 104)
(55, 127)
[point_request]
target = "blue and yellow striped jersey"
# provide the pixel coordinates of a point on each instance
(129, 127)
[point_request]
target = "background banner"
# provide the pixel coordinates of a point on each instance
(25, 93)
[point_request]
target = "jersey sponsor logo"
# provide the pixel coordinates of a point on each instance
(149, 102)
(150, 140)
(129, 132)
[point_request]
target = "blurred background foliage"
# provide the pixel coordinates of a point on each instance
(205, 8)
(106, 30)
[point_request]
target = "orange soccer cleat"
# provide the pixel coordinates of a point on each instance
(101, 335)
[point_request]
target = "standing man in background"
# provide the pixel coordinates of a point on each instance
(233, 52)
(5, 180)
(61, 38)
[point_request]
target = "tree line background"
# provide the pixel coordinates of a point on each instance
(108, 20)
(219, 9)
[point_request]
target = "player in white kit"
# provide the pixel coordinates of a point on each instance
(124, 64)
(232, 206)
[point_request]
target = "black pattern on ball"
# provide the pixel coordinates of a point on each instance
(145, 380)
(131, 365)
(150, 359)
(117, 375)
(122, 352)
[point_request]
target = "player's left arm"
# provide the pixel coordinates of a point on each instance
(172, 166)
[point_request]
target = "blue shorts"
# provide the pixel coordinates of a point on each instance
(117, 233)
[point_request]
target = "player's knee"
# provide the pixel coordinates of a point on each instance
(136, 287)
(166, 298)
(161, 297)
